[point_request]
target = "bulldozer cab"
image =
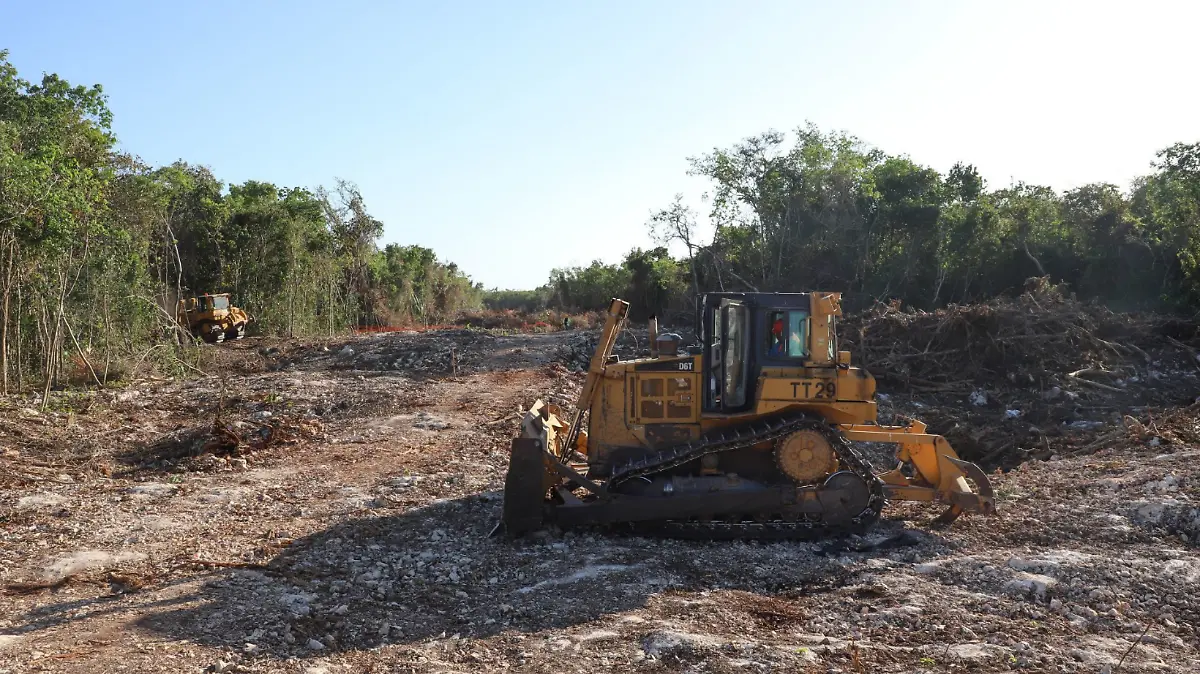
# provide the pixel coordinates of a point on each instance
(204, 305)
(211, 304)
(212, 317)
(744, 332)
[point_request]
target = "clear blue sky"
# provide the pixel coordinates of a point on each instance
(513, 137)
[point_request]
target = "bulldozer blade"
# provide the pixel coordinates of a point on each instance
(524, 489)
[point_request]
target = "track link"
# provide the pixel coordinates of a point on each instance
(740, 437)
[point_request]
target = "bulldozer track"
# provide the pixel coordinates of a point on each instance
(740, 437)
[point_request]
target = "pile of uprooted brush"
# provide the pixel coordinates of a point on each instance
(1039, 339)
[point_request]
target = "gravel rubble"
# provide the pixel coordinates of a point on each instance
(325, 510)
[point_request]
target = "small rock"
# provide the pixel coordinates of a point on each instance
(978, 652)
(315, 645)
(1031, 583)
(656, 645)
(153, 489)
(928, 567)
(221, 666)
(978, 398)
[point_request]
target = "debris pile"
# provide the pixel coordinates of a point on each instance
(548, 320)
(221, 444)
(1040, 340)
(433, 353)
(575, 350)
(1028, 377)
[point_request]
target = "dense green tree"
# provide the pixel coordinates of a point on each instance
(826, 210)
(416, 285)
(55, 144)
(1168, 203)
(96, 247)
(657, 282)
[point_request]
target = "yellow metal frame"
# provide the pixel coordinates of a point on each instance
(939, 475)
(928, 470)
(617, 310)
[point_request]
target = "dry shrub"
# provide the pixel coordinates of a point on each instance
(1036, 338)
(76, 371)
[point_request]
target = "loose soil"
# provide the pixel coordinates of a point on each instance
(325, 507)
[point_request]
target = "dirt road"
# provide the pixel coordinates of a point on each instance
(338, 521)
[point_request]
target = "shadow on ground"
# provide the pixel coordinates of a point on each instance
(434, 572)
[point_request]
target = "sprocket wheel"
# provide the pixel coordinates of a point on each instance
(806, 456)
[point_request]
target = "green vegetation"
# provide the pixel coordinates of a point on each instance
(828, 211)
(95, 246)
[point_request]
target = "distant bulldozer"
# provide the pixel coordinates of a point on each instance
(212, 318)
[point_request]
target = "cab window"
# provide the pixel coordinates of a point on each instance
(787, 334)
(220, 303)
(734, 391)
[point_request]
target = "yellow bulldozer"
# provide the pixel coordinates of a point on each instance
(212, 318)
(747, 435)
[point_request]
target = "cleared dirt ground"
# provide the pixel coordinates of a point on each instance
(327, 509)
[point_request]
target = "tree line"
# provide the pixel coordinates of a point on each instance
(824, 210)
(96, 246)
